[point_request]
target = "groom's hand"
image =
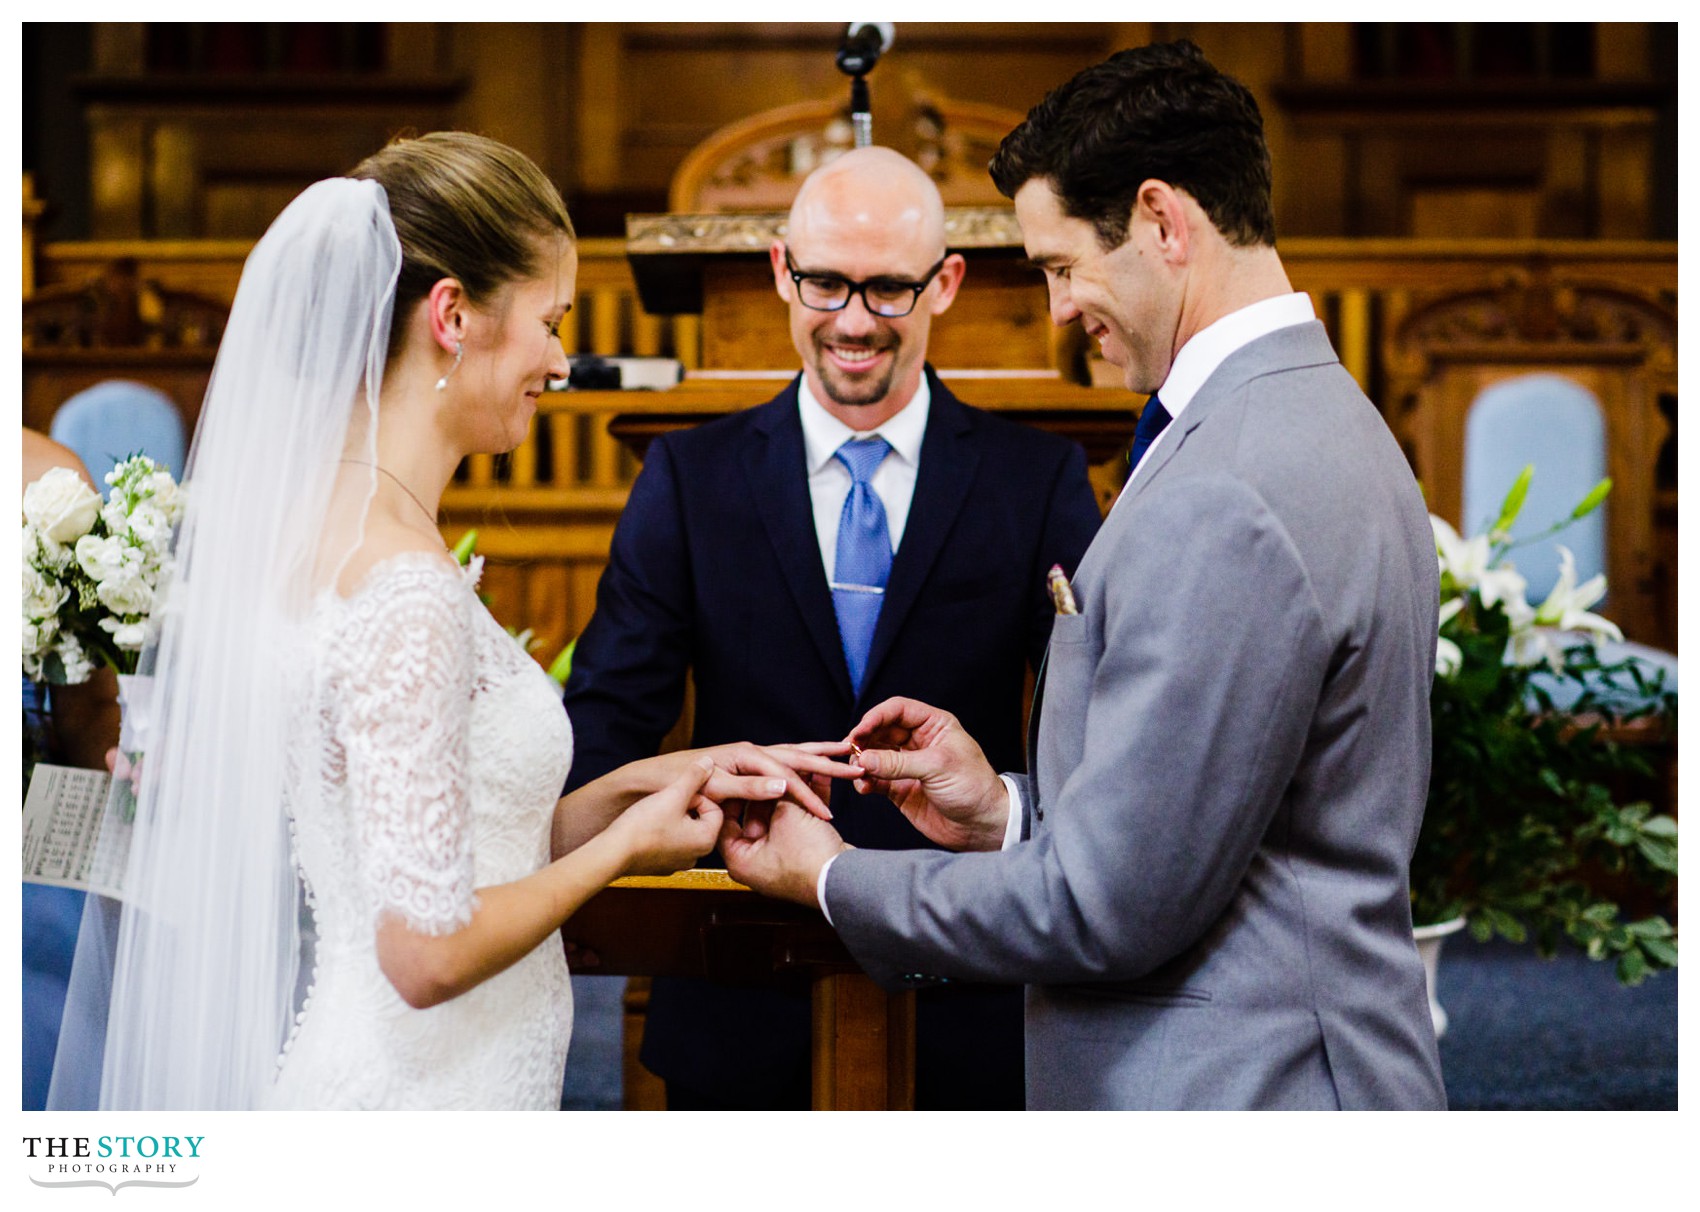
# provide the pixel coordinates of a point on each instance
(779, 850)
(921, 759)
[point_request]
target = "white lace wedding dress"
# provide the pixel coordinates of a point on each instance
(427, 764)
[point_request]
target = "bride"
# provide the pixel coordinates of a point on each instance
(343, 732)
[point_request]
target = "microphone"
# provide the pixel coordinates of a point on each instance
(862, 44)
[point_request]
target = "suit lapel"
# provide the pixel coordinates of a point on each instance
(1294, 346)
(1155, 460)
(1033, 722)
(777, 474)
(948, 463)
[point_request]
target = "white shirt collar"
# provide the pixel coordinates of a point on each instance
(824, 433)
(1210, 346)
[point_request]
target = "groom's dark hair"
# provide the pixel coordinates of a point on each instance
(1160, 111)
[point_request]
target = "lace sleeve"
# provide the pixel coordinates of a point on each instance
(407, 689)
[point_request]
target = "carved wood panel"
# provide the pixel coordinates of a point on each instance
(1618, 344)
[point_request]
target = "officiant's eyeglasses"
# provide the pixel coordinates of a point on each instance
(889, 298)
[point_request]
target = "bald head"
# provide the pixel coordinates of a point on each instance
(863, 270)
(866, 191)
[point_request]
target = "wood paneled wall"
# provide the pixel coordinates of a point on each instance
(611, 109)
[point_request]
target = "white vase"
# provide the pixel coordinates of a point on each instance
(1429, 939)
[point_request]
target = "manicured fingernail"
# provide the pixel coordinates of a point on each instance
(706, 762)
(776, 786)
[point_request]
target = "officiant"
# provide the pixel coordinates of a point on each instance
(862, 534)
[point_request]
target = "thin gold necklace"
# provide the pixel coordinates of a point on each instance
(392, 475)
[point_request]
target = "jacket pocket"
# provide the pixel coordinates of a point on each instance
(1147, 993)
(1071, 629)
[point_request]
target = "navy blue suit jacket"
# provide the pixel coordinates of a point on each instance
(715, 567)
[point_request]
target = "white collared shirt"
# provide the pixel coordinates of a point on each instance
(829, 480)
(1213, 344)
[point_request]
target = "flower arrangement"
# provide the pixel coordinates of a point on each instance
(1524, 833)
(94, 569)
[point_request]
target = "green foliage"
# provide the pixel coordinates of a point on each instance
(1513, 503)
(1589, 503)
(562, 667)
(1523, 833)
(1522, 830)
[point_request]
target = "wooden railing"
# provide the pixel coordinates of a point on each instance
(1361, 288)
(545, 512)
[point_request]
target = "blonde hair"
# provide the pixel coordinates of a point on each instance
(464, 207)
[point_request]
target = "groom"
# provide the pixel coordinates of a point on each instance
(1203, 878)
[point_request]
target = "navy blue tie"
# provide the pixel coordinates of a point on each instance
(1152, 422)
(863, 556)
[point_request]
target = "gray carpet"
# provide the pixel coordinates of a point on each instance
(1559, 1035)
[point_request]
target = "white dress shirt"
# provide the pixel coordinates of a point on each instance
(1197, 361)
(829, 480)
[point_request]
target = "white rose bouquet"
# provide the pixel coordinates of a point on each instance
(95, 570)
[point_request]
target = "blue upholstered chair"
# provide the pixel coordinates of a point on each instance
(1557, 425)
(116, 419)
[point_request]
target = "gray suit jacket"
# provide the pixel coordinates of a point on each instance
(1211, 906)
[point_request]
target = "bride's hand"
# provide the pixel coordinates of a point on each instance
(670, 829)
(745, 772)
(819, 777)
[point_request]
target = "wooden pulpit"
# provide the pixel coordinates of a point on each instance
(704, 924)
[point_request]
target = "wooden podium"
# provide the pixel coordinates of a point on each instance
(704, 924)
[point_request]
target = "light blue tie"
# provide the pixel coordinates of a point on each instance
(864, 555)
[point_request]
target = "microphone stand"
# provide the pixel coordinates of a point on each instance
(858, 52)
(861, 115)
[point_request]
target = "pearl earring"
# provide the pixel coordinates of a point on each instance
(443, 382)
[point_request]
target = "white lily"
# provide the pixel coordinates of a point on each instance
(1562, 620)
(1566, 607)
(1469, 564)
(1448, 657)
(1530, 646)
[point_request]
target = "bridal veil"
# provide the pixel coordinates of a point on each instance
(181, 994)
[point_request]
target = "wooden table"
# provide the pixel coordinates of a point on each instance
(704, 924)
